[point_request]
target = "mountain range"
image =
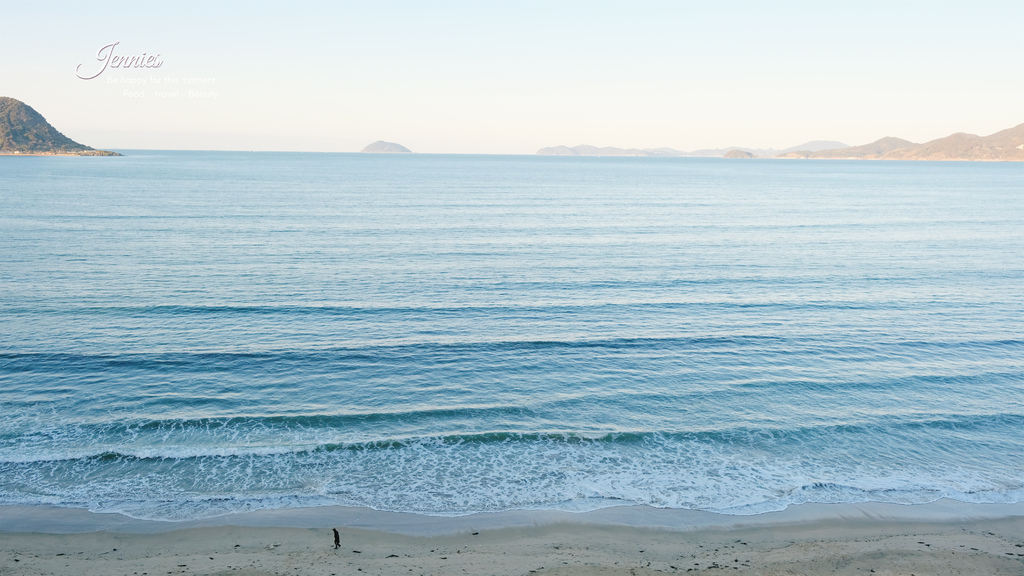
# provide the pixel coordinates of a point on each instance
(25, 131)
(587, 150)
(1005, 145)
(874, 150)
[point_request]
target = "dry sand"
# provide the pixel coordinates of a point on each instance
(861, 545)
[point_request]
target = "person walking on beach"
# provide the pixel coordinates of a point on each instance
(337, 539)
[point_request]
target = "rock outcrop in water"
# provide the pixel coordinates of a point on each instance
(382, 147)
(25, 131)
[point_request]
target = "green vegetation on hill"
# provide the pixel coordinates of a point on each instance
(25, 131)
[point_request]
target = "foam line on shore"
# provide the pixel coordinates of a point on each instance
(54, 520)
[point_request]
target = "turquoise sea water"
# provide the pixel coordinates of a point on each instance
(185, 334)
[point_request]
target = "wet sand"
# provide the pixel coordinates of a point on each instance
(849, 542)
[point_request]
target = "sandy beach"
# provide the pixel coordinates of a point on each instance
(857, 540)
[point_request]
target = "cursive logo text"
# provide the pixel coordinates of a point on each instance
(108, 59)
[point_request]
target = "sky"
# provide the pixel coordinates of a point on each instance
(511, 77)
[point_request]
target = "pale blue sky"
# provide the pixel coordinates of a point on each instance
(489, 77)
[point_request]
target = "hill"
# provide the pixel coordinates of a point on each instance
(816, 146)
(25, 131)
(812, 146)
(874, 150)
(587, 150)
(738, 154)
(382, 147)
(1003, 145)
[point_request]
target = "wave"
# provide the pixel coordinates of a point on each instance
(243, 437)
(795, 345)
(377, 309)
(494, 472)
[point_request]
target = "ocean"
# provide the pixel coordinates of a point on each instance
(192, 334)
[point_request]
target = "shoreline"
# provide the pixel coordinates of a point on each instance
(45, 519)
(815, 539)
(87, 153)
(524, 154)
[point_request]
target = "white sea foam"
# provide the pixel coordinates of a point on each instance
(450, 478)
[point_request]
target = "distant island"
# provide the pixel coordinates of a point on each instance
(874, 150)
(23, 131)
(586, 150)
(382, 147)
(738, 154)
(1006, 145)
